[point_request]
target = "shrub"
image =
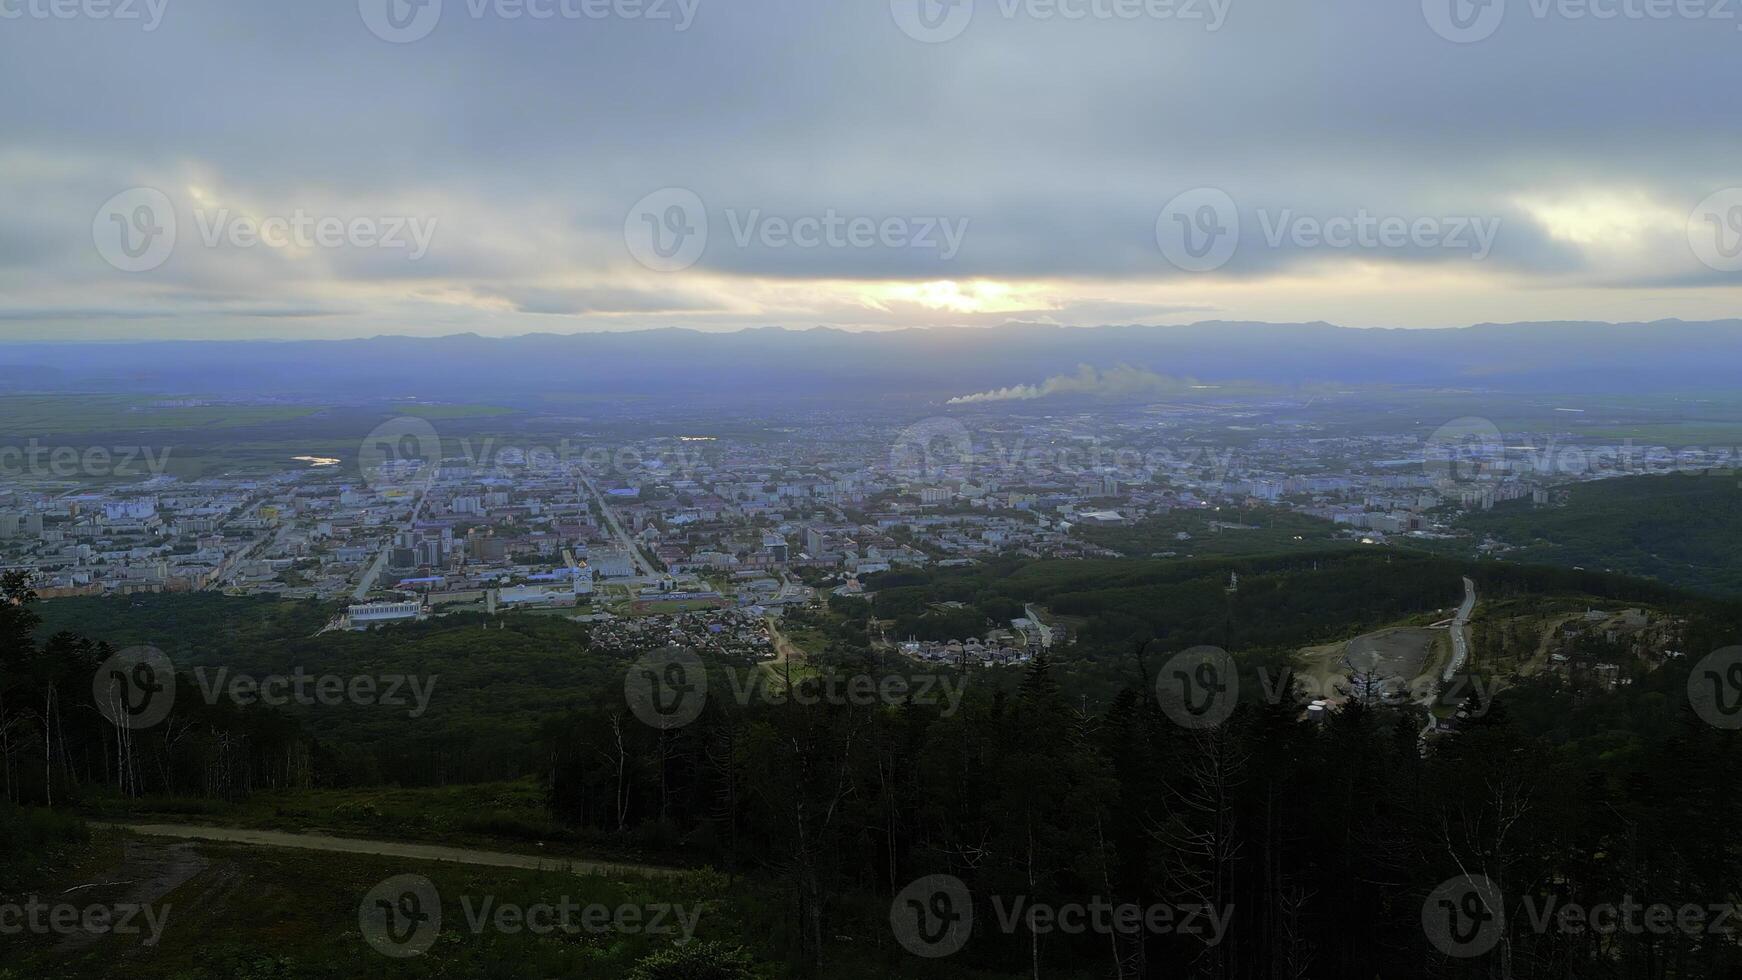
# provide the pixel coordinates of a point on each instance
(696, 961)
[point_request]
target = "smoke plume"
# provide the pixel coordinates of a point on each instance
(1120, 381)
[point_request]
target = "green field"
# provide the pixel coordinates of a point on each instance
(250, 913)
(51, 415)
(1265, 531)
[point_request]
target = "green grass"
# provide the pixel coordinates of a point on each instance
(34, 841)
(453, 411)
(668, 606)
(509, 816)
(48, 415)
(1269, 531)
(266, 914)
(446, 814)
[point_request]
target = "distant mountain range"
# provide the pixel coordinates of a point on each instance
(908, 365)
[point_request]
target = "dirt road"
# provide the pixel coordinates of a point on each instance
(420, 852)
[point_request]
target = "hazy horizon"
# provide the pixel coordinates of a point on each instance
(1085, 328)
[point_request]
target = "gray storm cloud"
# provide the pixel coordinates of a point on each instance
(795, 111)
(1122, 380)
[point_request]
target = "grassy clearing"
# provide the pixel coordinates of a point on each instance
(264, 914)
(500, 816)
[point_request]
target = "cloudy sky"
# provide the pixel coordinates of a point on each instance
(337, 168)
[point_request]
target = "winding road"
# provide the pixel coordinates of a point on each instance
(1460, 632)
(1460, 627)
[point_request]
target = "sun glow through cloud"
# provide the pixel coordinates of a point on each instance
(979, 296)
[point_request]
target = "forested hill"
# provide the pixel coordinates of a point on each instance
(1681, 529)
(497, 683)
(1282, 600)
(1062, 781)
